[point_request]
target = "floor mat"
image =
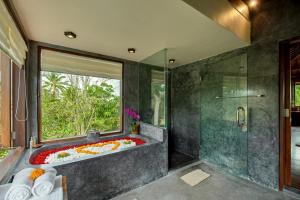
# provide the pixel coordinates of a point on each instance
(195, 177)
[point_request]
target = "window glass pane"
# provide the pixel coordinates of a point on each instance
(297, 95)
(77, 102)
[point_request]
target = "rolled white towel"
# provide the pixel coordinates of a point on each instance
(44, 184)
(21, 186)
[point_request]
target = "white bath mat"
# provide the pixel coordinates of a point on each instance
(195, 177)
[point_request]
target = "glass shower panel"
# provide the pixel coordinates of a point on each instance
(158, 96)
(223, 114)
(152, 89)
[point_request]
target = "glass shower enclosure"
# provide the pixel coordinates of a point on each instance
(224, 114)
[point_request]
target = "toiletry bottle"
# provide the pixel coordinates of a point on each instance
(31, 144)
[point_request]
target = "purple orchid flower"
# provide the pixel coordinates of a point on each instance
(132, 114)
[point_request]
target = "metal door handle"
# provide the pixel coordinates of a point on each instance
(240, 116)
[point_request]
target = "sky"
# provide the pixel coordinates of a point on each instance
(93, 81)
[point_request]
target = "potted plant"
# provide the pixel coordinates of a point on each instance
(3, 153)
(135, 120)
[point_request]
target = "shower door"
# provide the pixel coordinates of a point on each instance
(223, 114)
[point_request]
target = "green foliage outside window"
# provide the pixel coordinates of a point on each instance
(72, 105)
(297, 95)
(3, 153)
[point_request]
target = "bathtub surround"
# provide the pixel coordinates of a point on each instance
(152, 132)
(105, 176)
(272, 23)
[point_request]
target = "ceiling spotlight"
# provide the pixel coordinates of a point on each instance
(131, 50)
(70, 34)
(171, 61)
(253, 3)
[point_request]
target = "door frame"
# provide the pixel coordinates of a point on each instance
(285, 115)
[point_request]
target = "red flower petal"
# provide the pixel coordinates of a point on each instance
(41, 156)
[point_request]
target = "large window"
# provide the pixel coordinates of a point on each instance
(78, 95)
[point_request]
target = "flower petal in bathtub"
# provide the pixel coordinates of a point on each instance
(75, 152)
(99, 147)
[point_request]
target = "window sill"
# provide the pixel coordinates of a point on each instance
(8, 163)
(77, 138)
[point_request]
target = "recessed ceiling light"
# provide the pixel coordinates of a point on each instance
(70, 34)
(172, 60)
(131, 50)
(253, 3)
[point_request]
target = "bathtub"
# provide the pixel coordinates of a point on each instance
(107, 175)
(38, 157)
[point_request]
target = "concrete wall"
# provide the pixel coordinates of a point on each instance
(272, 22)
(131, 93)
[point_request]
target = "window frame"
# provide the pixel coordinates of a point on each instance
(39, 87)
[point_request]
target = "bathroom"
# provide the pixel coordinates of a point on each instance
(187, 88)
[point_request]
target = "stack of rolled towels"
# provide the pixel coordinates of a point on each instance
(24, 186)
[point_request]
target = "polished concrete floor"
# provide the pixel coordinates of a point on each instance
(218, 186)
(295, 154)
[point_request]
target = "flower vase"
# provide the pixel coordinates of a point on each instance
(135, 129)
